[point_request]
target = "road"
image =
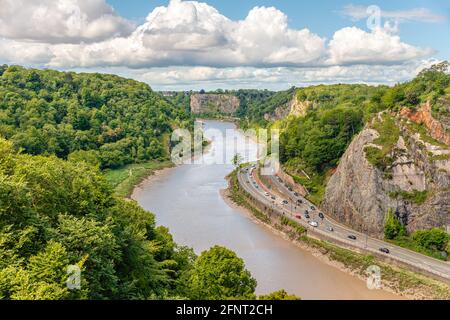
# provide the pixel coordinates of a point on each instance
(295, 211)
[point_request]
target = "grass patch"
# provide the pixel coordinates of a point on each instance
(416, 197)
(389, 134)
(425, 136)
(124, 179)
(299, 229)
(440, 157)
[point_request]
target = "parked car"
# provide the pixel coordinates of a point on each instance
(298, 217)
(299, 201)
(385, 250)
(290, 189)
(352, 237)
(266, 194)
(330, 229)
(314, 224)
(285, 202)
(273, 197)
(306, 212)
(313, 208)
(307, 216)
(296, 194)
(321, 216)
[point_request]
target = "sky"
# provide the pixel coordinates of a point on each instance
(211, 44)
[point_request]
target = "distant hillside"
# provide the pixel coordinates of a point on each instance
(101, 118)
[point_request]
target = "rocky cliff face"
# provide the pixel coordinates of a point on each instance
(360, 194)
(423, 116)
(293, 107)
(213, 103)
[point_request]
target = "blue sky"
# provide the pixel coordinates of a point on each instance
(211, 44)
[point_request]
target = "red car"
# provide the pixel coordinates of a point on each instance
(298, 216)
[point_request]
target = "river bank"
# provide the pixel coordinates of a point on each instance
(394, 279)
(124, 180)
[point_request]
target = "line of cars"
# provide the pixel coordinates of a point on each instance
(299, 202)
(321, 216)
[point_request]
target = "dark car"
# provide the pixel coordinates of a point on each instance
(384, 250)
(352, 237)
(273, 197)
(285, 202)
(313, 208)
(296, 194)
(290, 189)
(321, 216)
(307, 216)
(306, 211)
(299, 201)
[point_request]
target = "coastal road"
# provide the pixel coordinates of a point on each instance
(296, 207)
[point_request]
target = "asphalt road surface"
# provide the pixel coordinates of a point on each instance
(295, 208)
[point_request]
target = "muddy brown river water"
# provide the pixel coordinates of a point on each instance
(187, 200)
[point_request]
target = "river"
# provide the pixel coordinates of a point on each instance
(187, 200)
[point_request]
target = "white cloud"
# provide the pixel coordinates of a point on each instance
(352, 45)
(193, 33)
(191, 42)
(16, 52)
(180, 78)
(415, 14)
(56, 21)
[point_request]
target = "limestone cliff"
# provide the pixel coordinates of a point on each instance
(213, 103)
(412, 177)
(293, 107)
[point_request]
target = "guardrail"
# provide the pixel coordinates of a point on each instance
(322, 235)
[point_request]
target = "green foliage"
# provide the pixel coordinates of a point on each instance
(219, 274)
(434, 239)
(64, 113)
(434, 243)
(254, 104)
(125, 179)
(389, 133)
(299, 229)
(416, 197)
(393, 228)
(279, 295)
(55, 213)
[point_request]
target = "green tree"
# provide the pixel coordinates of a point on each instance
(279, 295)
(219, 274)
(393, 227)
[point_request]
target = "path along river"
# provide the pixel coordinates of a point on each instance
(187, 200)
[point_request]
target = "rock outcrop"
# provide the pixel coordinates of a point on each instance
(360, 194)
(293, 107)
(423, 116)
(214, 103)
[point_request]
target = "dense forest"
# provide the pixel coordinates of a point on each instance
(104, 119)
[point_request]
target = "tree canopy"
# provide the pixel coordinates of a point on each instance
(118, 121)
